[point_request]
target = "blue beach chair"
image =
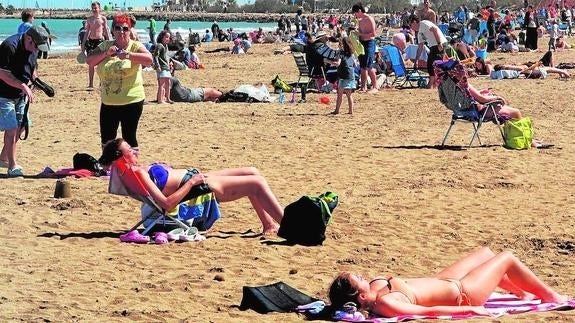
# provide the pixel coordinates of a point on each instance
(402, 78)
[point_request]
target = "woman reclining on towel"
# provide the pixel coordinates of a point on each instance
(168, 186)
(462, 288)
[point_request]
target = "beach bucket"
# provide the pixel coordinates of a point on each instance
(324, 99)
(62, 189)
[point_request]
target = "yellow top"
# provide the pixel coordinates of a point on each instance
(121, 80)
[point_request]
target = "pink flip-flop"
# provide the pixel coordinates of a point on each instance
(135, 237)
(160, 238)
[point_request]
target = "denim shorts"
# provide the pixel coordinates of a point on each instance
(367, 60)
(11, 113)
(163, 74)
(347, 84)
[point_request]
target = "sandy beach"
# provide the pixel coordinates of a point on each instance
(406, 209)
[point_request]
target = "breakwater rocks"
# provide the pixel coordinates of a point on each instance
(172, 15)
(159, 15)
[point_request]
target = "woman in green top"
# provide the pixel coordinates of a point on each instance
(119, 64)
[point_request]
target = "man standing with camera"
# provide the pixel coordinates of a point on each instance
(18, 54)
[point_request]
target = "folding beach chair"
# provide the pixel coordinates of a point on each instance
(402, 78)
(306, 75)
(454, 95)
(124, 181)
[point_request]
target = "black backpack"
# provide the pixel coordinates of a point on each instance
(86, 161)
(278, 297)
(305, 220)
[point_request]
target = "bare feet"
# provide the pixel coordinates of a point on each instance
(373, 91)
(272, 231)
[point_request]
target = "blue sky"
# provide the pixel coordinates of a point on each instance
(84, 3)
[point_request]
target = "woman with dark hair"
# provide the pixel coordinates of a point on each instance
(162, 66)
(119, 64)
(530, 25)
(482, 67)
(462, 288)
(170, 186)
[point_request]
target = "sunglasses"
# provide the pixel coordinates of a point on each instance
(122, 28)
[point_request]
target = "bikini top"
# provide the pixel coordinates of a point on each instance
(411, 299)
(159, 174)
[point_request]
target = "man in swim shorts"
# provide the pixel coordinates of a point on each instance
(96, 32)
(366, 32)
(428, 33)
(180, 93)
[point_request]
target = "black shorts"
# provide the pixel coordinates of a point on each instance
(92, 44)
(434, 55)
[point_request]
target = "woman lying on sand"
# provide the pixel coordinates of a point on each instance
(169, 186)
(462, 288)
(534, 71)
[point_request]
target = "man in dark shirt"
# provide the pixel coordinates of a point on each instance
(18, 54)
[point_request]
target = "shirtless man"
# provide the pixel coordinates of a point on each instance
(96, 32)
(426, 13)
(366, 34)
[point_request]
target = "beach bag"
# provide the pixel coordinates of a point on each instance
(518, 133)
(278, 297)
(86, 161)
(305, 220)
(281, 84)
(356, 44)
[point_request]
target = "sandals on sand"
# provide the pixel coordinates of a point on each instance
(180, 234)
(135, 237)
(15, 171)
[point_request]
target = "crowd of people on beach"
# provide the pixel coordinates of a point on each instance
(462, 288)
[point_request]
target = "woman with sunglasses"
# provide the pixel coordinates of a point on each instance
(460, 289)
(119, 66)
(169, 186)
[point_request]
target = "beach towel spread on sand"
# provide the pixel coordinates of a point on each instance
(498, 305)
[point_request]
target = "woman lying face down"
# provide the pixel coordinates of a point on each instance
(462, 288)
(170, 186)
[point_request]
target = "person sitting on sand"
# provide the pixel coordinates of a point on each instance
(170, 186)
(207, 37)
(237, 49)
(460, 289)
(180, 93)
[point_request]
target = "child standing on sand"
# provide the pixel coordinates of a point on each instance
(162, 66)
(345, 74)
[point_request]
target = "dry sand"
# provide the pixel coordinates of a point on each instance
(406, 207)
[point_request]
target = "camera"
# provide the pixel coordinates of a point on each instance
(44, 87)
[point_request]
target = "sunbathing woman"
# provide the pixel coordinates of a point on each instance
(462, 288)
(481, 67)
(533, 71)
(169, 186)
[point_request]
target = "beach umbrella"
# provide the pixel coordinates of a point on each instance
(327, 52)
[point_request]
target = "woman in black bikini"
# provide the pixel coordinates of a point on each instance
(170, 186)
(462, 288)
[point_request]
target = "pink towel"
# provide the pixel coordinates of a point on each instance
(497, 304)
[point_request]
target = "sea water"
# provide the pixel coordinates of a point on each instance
(66, 30)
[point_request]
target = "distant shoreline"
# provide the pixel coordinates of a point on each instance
(173, 15)
(161, 16)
